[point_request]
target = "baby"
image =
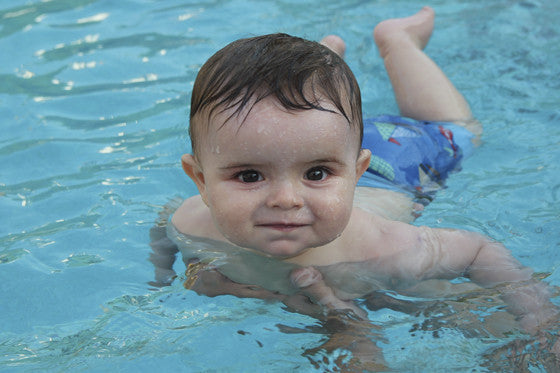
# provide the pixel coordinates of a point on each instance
(299, 194)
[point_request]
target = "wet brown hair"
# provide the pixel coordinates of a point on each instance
(298, 73)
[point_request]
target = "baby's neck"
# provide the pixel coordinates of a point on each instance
(319, 256)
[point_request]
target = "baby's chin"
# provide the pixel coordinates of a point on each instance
(279, 251)
(287, 250)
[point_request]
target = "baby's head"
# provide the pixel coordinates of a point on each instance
(276, 129)
(298, 73)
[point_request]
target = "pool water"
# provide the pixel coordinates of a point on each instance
(94, 104)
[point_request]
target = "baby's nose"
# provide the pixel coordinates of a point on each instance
(285, 195)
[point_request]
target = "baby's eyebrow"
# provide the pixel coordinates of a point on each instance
(239, 165)
(326, 160)
(234, 166)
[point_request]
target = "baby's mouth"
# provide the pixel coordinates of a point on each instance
(282, 227)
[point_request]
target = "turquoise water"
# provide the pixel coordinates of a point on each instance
(93, 101)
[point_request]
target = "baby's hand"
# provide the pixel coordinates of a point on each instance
(310, 281)
(353, 334)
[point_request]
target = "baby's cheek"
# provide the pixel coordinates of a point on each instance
(336, 208)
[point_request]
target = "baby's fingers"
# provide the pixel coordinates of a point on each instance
(310, 281)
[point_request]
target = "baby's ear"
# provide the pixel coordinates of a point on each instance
(362, 163)
(192, 168)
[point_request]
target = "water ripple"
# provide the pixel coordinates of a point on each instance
(19, 18)
(153, 42)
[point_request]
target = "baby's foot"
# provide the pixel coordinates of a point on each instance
(334, 43)
(416, 29)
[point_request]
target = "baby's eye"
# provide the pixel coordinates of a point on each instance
(249, 176)
(316, 174)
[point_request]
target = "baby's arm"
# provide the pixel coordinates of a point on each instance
(492, 265)
(206, 280)
(163, 254)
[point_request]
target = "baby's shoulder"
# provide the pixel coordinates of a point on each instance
(374, 235)
(193, 218)
(390, 204)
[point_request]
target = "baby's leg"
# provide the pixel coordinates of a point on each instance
(422, 90)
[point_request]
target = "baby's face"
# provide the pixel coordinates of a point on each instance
(280, 182)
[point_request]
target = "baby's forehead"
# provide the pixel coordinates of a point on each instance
(269, 122)
(266, 110)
